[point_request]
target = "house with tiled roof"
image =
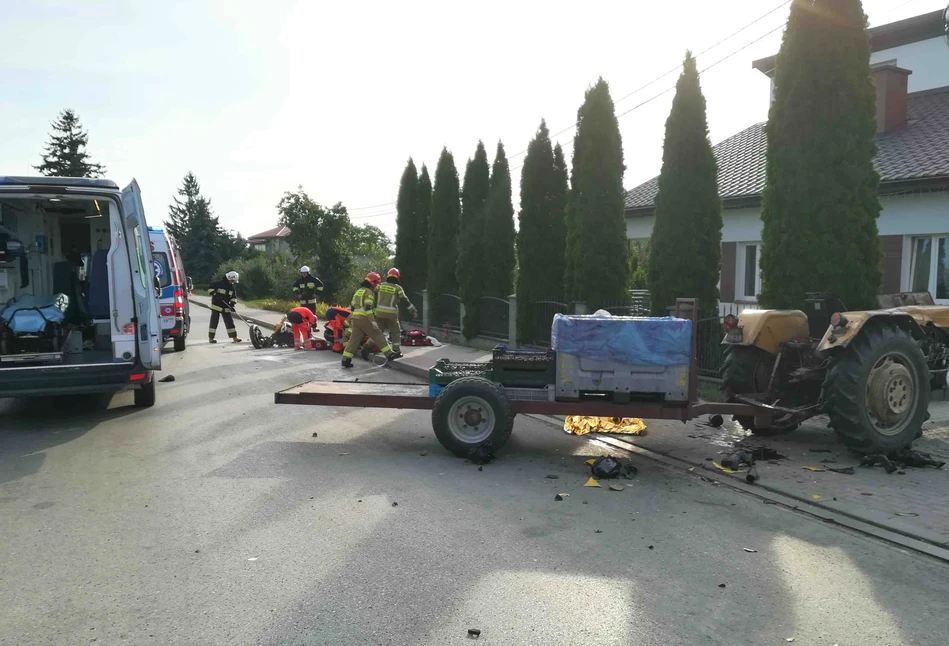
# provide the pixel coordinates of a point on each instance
(910, 63)
(270, 241)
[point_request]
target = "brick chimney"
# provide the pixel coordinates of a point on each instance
(891, 84)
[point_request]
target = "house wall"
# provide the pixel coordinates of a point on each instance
(928, 60)
(903, 217)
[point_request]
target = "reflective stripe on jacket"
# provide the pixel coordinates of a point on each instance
(363, 302)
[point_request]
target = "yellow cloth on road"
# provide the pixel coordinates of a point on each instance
(581, 425)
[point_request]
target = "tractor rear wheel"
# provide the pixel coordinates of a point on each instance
(746, 370)
(876, 391)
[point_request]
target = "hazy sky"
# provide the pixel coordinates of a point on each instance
(257, 98)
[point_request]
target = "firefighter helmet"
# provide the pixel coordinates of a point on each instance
(374, 278)
(233, 275)
(304, 269)
(393, 273)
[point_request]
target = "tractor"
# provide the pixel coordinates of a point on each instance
(870, 372)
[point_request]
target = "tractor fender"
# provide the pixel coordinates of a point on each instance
(840, 337)
(768, 329)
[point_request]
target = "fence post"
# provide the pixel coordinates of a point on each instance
(426, 312)
(512, 321)
(580, 308)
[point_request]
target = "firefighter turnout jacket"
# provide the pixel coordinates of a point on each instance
(306, 288)
(223, 295)
(363, 303)
(388, 297)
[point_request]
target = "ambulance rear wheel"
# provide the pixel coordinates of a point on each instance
(470, 412)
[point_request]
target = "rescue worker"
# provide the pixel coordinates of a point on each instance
(388, 296)
(223, 301)
(336, 323)
(363, 321)
(307, 288)
(302, 320)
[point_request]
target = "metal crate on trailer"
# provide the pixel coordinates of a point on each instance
(577, 376)
(446, 371)
(521, 368)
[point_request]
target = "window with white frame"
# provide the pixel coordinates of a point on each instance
(929, 266)
(748, 274)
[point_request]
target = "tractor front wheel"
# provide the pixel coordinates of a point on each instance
(876, 392)
(746, 370)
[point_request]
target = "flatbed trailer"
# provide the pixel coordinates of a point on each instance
(471, 411)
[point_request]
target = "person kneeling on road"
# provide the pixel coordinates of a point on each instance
(388, 296)
(302, 320)
(363, 321)
(223, 301)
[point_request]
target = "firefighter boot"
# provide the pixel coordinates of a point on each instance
(347, 363)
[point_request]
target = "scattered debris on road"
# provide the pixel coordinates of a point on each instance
(591, 483)
(749, 550)
(423, 453)
(581, 425)
(617, 487)
(907, 514)
(608, 467)
(847, 471)
(314, 434)
(474, 632)
(737, 459)
(395, 504)
(166, 379)
(904, 458)
(552, 477)
(561, 496)
(482, 454)
(813, 468)
(597, 531)
(721, 585)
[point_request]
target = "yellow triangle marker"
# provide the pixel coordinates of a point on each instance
(591, 461)
(592, 483)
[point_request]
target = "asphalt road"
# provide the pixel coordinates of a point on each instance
(216, 517)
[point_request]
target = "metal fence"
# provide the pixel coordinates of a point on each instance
(494, 315)
(534, 328)
(418, 300)
(709, 342)
(446, 313)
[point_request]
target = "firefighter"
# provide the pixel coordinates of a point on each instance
(307, 288)
(363, 321)
(223, 301)
(388, 296)
(302, 320)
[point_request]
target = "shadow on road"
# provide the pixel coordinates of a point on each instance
(32, 426)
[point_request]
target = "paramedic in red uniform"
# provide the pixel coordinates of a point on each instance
(301, 320)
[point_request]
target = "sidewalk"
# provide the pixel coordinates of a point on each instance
(416, 362)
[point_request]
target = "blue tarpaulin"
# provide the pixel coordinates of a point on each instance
(638, 341)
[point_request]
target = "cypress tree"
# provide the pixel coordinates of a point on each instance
(65, 154)
(597, 255)
(423, 214)
(820, 204)
(406, 222)
(541, 234)
(472, 254)
(202, 240)
(557, 232)
(443, 233)
(499, 229)
(686, 245)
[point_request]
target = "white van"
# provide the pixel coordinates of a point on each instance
(78, 297)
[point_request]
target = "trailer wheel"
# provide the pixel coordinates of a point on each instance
(746, 370)
(876, 391)
(469, 412)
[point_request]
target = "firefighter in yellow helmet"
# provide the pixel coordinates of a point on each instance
(388, 296)
(363, 321)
